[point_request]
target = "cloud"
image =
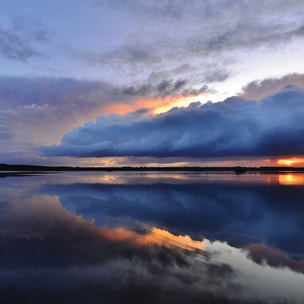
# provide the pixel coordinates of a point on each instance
(21, 40)
(53, 104)
(39, 110)
(67, 94)
(261, 253)
(207, 8)
(58, 104)
(163, 89)
(272, 126)
(216, 75)
(62, 94)
(261, 88)
(63, 99)
(173, 32)
(208, 73)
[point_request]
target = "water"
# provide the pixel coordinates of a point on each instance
(152, 238)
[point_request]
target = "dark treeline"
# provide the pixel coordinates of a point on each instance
(237, 169)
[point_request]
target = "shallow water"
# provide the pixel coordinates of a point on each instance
(152, 238)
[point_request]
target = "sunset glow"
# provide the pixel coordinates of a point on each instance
(161, 105)
(291, 161)
(152, 151)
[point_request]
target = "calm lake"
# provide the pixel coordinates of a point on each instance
(152, 238)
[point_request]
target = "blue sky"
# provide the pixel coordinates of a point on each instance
(70, 62)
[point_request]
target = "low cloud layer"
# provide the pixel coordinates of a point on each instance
(272, 126)
(56, 105)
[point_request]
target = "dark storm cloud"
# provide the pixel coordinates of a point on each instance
(42, 109)
(56, 105)
(269, 127)
(21, 40)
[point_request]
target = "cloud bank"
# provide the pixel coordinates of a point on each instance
(270, 127)
(56, 105)
(205, 30)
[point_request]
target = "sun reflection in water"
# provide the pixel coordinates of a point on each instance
(291, 179)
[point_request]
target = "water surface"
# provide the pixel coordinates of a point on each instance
(152, 238)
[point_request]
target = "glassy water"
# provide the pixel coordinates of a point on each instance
(152, 238)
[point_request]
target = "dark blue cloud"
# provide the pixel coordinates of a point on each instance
(269, 127)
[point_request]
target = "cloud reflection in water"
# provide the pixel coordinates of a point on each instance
(68, 237)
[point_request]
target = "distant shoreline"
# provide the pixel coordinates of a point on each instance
(237, 169)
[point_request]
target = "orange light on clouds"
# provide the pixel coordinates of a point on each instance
(117, 108)
(154, 236)
(157, 105)
(161, 105)
(291, 161)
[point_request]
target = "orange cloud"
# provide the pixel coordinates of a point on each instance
(154, 236)
(161, 105)
(117, 108)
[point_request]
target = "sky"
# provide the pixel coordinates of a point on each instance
(142, 82)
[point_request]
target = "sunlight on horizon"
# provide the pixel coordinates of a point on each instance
(291, 161)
